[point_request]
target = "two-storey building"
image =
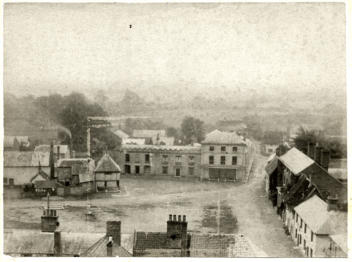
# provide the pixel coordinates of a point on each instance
(179, 161)
(225, 156)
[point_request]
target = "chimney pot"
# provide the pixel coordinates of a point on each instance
(179, 218)
(175, 218)
(170, 217)
(184, 218)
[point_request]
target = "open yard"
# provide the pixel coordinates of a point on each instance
(145, 203)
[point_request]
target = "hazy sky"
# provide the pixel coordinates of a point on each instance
(64, 47)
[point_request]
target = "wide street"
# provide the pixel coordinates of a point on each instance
(145, 203)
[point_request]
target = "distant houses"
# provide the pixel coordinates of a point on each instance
(311, 202)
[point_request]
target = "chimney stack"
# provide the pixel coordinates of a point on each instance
(317, 154)
(332, 203)
(109, 247)
(325, 159)
(57, 244)
(177, 233)
(49, 220)
(311, 150)
(113, 229)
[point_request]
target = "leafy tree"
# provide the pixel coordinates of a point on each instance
(305, 136)
(192, 130)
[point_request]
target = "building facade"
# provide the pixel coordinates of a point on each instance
(178, 161)
(225, 156)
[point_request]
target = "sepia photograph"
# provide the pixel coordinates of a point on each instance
(203, 130)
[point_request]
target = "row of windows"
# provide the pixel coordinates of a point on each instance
(223, 160)
(223, 148)
(305, 228)
(164, 157)
(165, 171)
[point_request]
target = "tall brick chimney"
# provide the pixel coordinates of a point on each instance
(113, 229)
(311, 150)
(177, 233)
(325, 159)
(317, 154)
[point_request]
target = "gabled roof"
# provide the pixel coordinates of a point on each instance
(107, 165)
(341, 241)
(296, 161)
(314, 213)
(223, 138)
(41, 173)
(148, 133)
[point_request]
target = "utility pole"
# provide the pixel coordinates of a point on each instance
(88, 141)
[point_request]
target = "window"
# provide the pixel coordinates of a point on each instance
(191, 158)
(5, 180)
(165, 157)
(311, 252)
(223, 148)
(178, 172)
(304, 243)
(127, 169)
(211, 148)
(178, 158)
(305, 228)
(222, 160)
(311, 236)
(301, 223)
(191, 171)
(296, 233)
(296, 217)
(165, 170)
(211, 160)
(234, 160)
(234, 149)
(137, 170)
(136, 158)
(127, 157)
(147, 158)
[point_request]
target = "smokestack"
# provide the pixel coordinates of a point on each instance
(317, 154)
(57, 244)
(113, 229)
(311, 150)
(109, 247)
(51, 161)
(325, 159)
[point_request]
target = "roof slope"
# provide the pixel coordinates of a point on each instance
(107, 165)
(341, 241)
(99, 249)
(162, 148)
(271, 164)
(296, 161)
(314, 212)
(121, 134)
(219, 137)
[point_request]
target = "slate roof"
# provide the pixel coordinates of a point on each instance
(314, 213)
(161, 148)
(107, 165)
(148, 133)
(41, 173)
(28, 242)
(271, 164)
(296, 161)
(99, 249)
(200, 245)
(223, 138)
(326, 184)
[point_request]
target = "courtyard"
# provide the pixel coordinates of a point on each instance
(144, 204)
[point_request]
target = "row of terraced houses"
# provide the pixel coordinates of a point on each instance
(222, 156)
(311, 203)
